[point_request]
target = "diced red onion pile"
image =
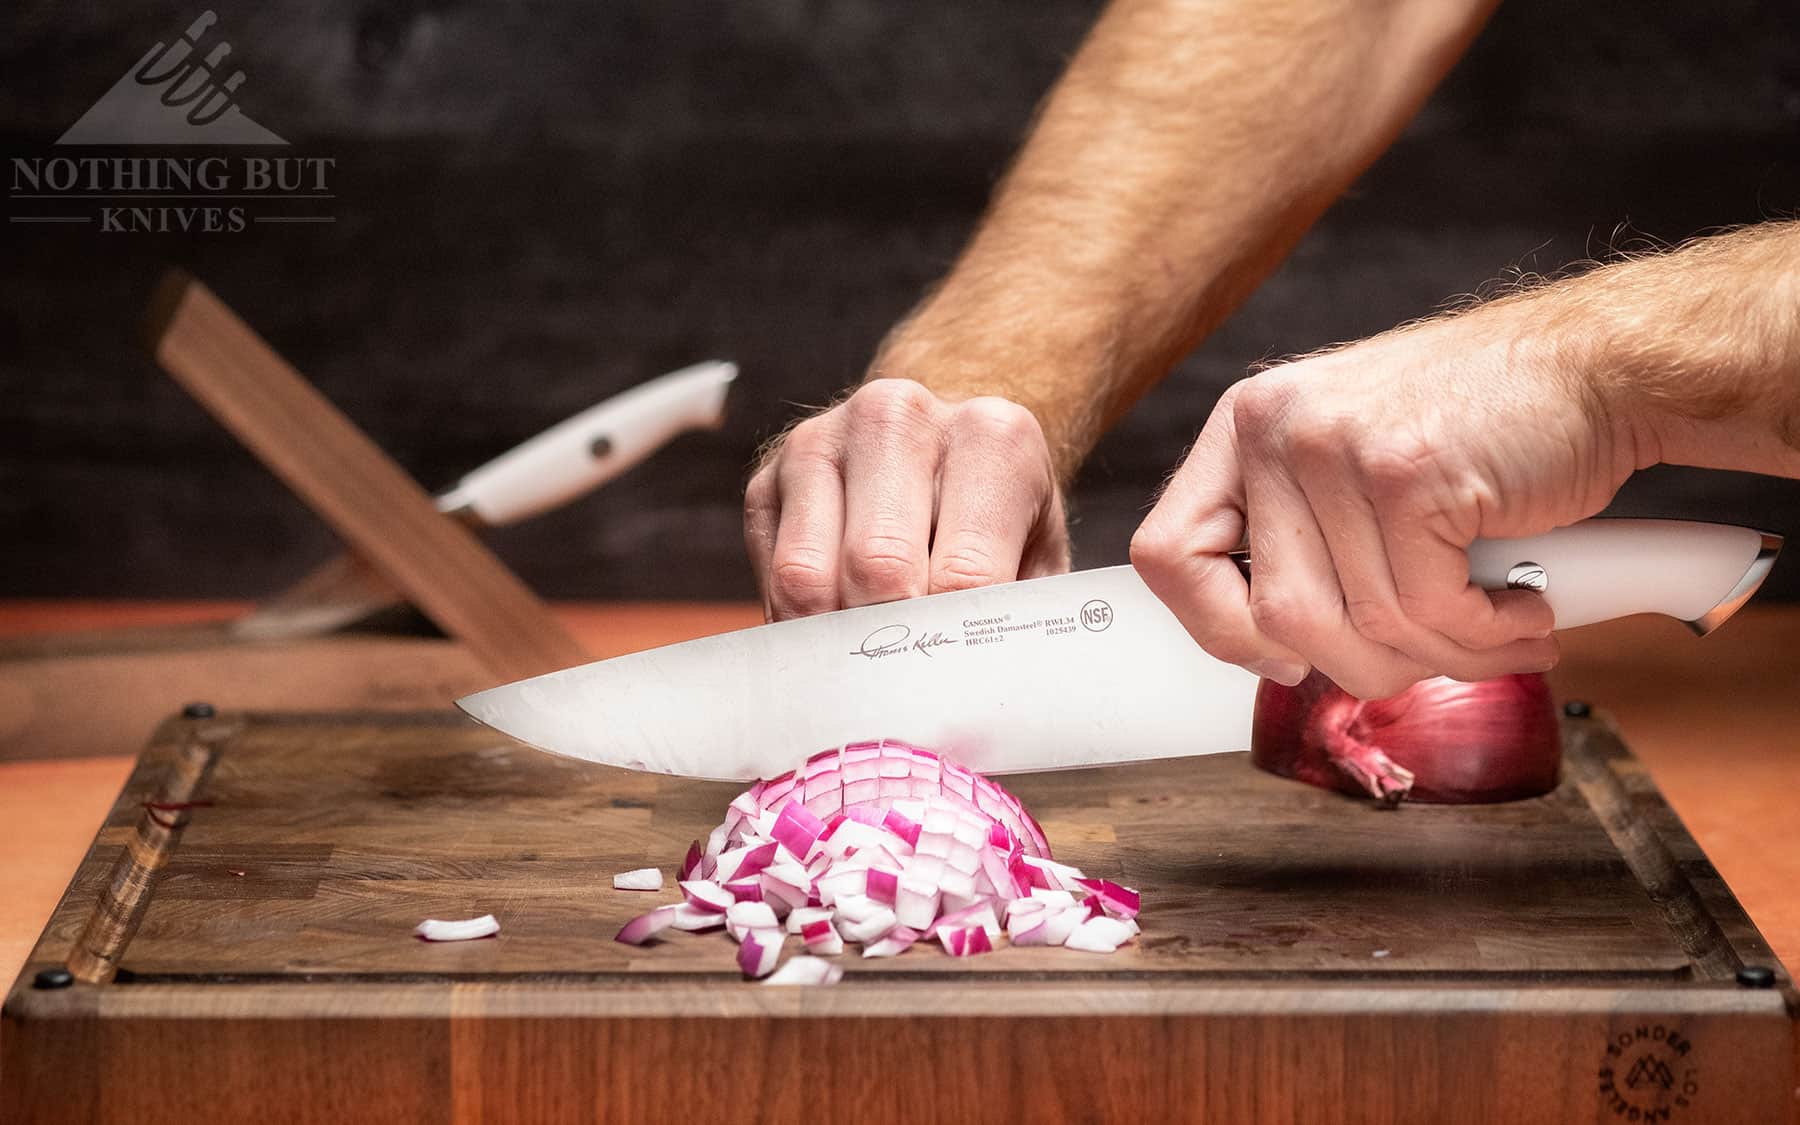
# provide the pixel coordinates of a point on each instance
(883, 845)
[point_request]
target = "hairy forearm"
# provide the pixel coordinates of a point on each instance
(1697, 351)
(1186, 149)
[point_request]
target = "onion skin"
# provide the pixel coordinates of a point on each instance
(1440, 741)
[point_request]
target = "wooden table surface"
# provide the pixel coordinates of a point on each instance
(1714, 720)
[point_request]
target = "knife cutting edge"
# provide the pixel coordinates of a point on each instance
(1079, 669)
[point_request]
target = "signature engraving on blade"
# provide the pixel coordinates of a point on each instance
(892, 640)
(1646, 1073)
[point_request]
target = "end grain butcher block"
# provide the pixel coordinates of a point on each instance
(1304, 958)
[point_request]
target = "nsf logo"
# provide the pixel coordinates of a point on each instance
(1096, 616)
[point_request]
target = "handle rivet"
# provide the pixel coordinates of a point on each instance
(1756, 976)
(1528, 576)
(198, 711)
(60, 977)
(600, 447)
(1576, 709)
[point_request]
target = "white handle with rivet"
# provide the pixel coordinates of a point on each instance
(593, 447)
(1596, 570)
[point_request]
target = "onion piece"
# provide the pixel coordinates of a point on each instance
(1051, 875)
(742, 917)
(434, 929)
(876, 925)
(805, 914)
(643, 879)
(1099, 935)
(964, 941)
(897, 941)
(981, 915)
(694, 919)
(822, 938)
(646, 926)
(691, 864)
(1120, 902)
(916, 902)
(758, 951)
(705, 894)
(796, 829)
(883, 886)
(743, 862)
(841, 881)
(902, 826)
(806, 970)
(781, 893)
(1022, 908)
(1062, 922)
(746, 890)
(857, 908)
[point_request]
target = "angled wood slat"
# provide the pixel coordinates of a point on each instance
(368, 500)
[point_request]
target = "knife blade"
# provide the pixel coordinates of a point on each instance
(1074, 670)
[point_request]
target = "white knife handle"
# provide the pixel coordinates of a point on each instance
(1596, 570)
(593, 447)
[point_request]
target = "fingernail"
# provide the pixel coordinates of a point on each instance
(1283, 673)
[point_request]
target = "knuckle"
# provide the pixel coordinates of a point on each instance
(964, 567)
(998, 420)
(1222, 641)
(1155, 549)
(1462, 621)
(1280, 614)
(1374, 685)
(884, 566)
(1377, 619)
(1260, 404)
(810, 443)
(901, 404)
(801, 580)
(759, 496)
(1393, 469)
(1318, 441)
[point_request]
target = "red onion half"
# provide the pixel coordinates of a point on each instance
(1441, 740)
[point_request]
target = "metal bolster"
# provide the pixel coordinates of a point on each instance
(1747, 585)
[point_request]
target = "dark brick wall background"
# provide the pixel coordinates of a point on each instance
(542, 203)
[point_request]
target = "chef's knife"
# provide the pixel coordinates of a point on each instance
(1076, 670)
(569, 459)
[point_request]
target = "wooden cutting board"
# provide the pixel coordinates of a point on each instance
(1305, 957)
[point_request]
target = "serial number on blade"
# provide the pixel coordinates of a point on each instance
(995, 630)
